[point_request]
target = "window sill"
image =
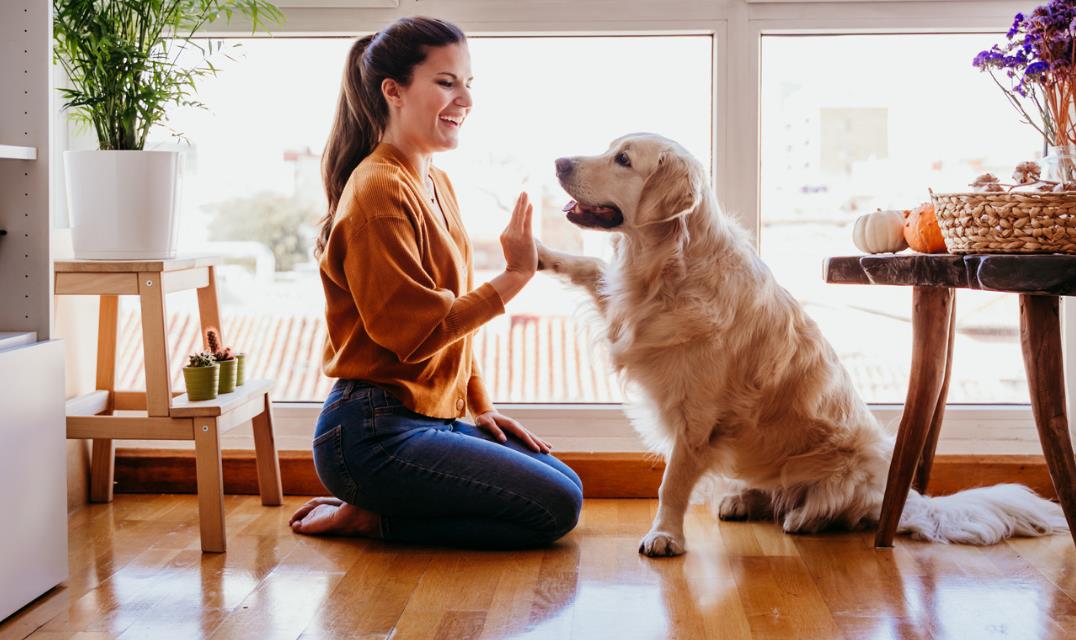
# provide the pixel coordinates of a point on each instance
(967, 430)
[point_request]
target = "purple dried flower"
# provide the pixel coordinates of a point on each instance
(988, 58)
(1038, 59)
(1036, 68)
(1015, 26)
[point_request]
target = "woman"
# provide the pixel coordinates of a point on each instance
(390, 444)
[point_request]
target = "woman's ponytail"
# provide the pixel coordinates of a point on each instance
(353, 136)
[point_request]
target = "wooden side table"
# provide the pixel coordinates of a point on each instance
(1039, 280)
(160, 414)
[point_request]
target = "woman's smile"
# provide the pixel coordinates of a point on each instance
(454, 122)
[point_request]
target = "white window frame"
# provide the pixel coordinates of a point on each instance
(737, 26)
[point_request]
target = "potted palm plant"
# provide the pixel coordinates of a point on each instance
(121, 59)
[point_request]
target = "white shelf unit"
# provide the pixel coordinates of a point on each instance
(12, 152)
(25, 113)
(33, 461)
(12, 339)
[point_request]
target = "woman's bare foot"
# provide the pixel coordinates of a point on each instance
(301, 512)
(331, 516)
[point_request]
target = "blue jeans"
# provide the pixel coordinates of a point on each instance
(435, 481)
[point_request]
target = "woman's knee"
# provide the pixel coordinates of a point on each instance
(573, 476)
(564, 504)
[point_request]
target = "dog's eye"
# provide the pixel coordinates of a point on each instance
(623, 160)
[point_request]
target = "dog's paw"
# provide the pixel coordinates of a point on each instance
(658, 544)
(749, 504)
(798, 521)
(733, 507)
(545, 257)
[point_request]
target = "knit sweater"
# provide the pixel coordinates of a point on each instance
(401, 306)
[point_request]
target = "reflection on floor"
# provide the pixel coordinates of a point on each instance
(137, 572)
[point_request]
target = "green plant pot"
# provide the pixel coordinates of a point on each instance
(201, 382)
(241, 369)
(227, 375)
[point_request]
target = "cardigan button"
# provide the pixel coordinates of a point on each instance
(459, 404)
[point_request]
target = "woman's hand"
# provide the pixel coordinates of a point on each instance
(496, 424)
(517, 240)
(520, 253)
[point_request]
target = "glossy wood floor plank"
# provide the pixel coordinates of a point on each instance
(137, 571)
(440, 605)
(1047, 557)
(862, 587)
(368, 601)
(699, 591)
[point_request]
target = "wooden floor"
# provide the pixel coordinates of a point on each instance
(137, 572)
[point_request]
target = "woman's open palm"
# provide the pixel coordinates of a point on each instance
(517, 240)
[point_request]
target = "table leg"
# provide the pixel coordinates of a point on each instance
(207, 464)
(1040, 337)
(922, 472)
(931, 311)
(267, 460)
(103, 459)
(209, 309)
(155, 344)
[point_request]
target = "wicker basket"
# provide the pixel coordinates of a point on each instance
(1007, 222)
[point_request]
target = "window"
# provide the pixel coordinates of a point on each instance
(291, 82)
(252, 191)
(854, 123)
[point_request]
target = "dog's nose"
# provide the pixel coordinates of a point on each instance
(564, 167)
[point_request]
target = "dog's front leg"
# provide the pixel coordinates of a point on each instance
(583, 271)
(682, 471)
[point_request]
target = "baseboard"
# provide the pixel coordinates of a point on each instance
(604, 475)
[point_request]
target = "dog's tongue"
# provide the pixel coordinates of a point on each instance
(575, 207)
(592, 216)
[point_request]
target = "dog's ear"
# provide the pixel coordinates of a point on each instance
(671, 191)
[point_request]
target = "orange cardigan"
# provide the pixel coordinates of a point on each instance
(400, 303)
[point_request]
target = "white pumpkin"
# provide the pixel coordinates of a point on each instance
(880, 232)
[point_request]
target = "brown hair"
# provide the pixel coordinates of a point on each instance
(361, 112)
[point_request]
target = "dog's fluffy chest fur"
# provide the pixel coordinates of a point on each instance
(668, 328)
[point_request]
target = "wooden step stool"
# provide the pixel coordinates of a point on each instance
(164, 415)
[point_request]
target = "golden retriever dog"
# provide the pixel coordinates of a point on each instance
(735, 379)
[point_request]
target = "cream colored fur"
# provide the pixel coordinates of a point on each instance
(735, 378)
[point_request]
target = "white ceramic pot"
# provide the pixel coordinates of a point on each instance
(122, 203)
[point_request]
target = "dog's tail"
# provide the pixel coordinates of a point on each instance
(985, 515)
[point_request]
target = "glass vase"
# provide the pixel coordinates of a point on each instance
(1059, 165)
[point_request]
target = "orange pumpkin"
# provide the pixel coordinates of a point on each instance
(921, 230)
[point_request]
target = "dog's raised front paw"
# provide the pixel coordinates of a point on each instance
(659, 544)
(545, 257)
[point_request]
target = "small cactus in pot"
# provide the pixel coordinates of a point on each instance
(225, 358)
(202, 377)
